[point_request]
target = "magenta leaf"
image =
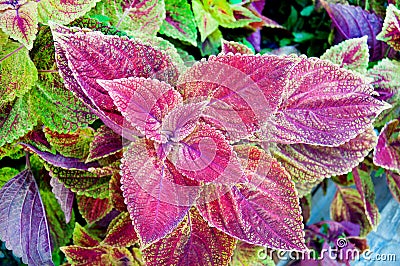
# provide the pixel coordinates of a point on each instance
(85, 56)
(120, 232)
(93, 209)
(323, 105)
(391, 29)
(23, 223)
(20, 22)
(64, 196)
(105, 143)
(387, 152)
(193, 243)
(354, 22)
(154, 192)
(264, 211)
(143, 102)
(308, 163)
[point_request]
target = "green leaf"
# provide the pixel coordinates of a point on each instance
(63, 12)
(15, 120)
(211, 44)
(179, 22)
(83, 238)
(204, 20)
(391, 28)
(243, 17)
(18, 72)
(393, 181)
(21, 23)
(302, 36)
(221, 10)
(6, 173)
(12, 150)
(306, 12)
(250, 255)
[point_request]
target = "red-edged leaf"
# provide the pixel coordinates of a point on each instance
(393, 181)
(105, 142)
(347, 205)
(83, 57)
(20, 22)
(154, 191)
(351, 54)
(116, 196)
(391, 28)
(23, 223)
(323, 105)
(244, 90)
(354, 22)
(62, 11)
(387, 152)
(65, 197)
(100, 255)
(366, 189)
(205, 155)
(93, 209)
(179, 22)
(235, 48)
(121, 232)
(308, 163)
(193, 243)
(82, 238)
(143, 102)
(264, 211)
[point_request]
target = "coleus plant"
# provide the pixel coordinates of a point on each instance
(184, 161)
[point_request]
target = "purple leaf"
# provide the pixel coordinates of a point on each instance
(106, 142)
(387, 152)
(308, 163)
(193, 243)
(154, 191)
(391, 29)
(323, 105)
(83, 57)
(23, 223)
(265, 211)
(65, 197)
(20, 22)
(354, 22)
(61, 161)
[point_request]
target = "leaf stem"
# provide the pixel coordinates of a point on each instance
(47, 71)
(27, 161)
(13, 52)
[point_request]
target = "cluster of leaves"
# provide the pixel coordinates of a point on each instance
(137, 154)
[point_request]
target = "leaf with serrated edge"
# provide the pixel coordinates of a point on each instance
(65, 197)
(83, 238)
(21, 23)
(194, 243)
(386, 81)
(351, 54)
(105, 57)
(23, 223)
(309, 163)
(235, 48)
(93, 209)
(323, 105)
(265, 211)
(6, 173)
(347, 205)
(105, 142)
(366, 189)
(179, 22)
(61, 11)
(391, 28)
(250, 255)
(15, 120)
(387, 154)
(120, 232)
(116, 196)
(204, 20)
(157, 214)
(18, 73)
(99, 255)
(143, 102)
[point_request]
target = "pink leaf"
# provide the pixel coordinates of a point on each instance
(143, 102)
(193, 243)
(21, 23)
(387, 152)
(155, 193)
(106, 142)
(391, 28)
(264, 211)
(64, 196)
(23, 223)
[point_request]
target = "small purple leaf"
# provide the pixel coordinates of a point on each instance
(23, 223)
(65, 197)
(106, 142)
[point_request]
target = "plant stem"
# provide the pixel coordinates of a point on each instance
(13, 52)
